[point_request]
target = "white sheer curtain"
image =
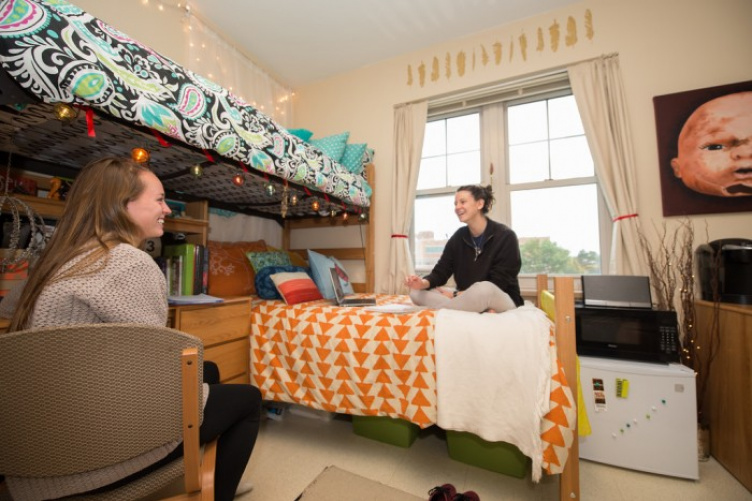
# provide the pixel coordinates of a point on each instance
(598, 90)
(212, 57)
(409, 129)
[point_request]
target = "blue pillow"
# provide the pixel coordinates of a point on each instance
(320, 265)
(303, 134)
(265, 287)
(352, 158)
(332, 146)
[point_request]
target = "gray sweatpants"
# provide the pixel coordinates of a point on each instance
(479, 297)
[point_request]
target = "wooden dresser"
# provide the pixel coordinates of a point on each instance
(225, 329)
(729, 381)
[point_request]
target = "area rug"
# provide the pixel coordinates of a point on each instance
(335, 484)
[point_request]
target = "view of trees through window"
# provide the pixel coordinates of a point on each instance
(547, 194)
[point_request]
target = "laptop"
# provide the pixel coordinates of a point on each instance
(339, 294)
(616, 291)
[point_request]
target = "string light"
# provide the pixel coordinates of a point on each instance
(65, 112)
(140, 155)
(238, 179)
(197, 170)
(270, 189)
(315, 205)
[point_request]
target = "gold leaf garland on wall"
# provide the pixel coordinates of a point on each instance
(571, 38)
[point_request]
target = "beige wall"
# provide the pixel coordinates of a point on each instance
(664, 46)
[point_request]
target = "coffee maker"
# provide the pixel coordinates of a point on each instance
(729, 261)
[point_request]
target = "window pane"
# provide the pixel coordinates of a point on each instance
(434, 223)
(528, 162)
(432, 173)
(527, 122)
(557, 229)
(463, 168)
(564, 117)
(463, 133)
(434, 141)
(570, 158)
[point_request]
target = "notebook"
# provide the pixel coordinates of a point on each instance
(339, 294)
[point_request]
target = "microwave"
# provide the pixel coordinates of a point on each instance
(627, 333)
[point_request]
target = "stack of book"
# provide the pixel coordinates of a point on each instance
(186, 269)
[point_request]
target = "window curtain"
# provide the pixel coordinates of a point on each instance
(599, 93)
(211, 56)
(409, 129)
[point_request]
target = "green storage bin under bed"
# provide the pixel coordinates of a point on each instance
(500, 457)
(385, 429)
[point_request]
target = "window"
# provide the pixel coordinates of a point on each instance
(450, 159)
(543, 178)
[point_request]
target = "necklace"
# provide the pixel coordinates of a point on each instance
(477, 245)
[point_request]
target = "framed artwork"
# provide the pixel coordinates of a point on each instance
(705, 150)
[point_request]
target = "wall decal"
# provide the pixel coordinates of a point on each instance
(435, 69)
(466, 59)
(461, 62)
(571, 38)
(589, 32)
(704, 139)
(523, 46)
(555, 33)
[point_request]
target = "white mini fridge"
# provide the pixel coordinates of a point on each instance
(643, 416)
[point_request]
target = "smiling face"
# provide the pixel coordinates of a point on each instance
(466, 207)
(715, 147)
(148, 210)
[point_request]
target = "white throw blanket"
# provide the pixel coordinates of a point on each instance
(493, 376)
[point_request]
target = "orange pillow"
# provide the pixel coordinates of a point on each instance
(230, 273)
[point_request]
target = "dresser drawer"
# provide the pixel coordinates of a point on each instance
(219, 324)
(233, 360)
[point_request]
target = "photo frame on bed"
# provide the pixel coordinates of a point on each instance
(700, 133)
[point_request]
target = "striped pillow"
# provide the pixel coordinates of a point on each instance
(296, 287)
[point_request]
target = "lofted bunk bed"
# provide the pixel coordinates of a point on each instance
(74, 89)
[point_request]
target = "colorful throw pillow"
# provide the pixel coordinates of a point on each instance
(295, 258)
(303, 134)
(230, 273)
(352, 158)
(261, 260)
(265, 287)
(320, 266)
(332, 146)
(296, 287)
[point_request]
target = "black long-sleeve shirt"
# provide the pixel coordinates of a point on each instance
(498, 262)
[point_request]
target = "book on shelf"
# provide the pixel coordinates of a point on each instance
(188, 270)
(194, 299)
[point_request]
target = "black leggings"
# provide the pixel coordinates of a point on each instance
(232, 413)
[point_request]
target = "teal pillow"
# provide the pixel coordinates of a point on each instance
(303, 134)
(352, 158)
(320, 265)
(260, 260)
(332, 146)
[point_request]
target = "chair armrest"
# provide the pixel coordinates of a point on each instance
(191, 422)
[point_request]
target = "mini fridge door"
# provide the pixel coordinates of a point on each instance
(643, 416)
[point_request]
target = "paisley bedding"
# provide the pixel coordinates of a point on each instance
(59, 53)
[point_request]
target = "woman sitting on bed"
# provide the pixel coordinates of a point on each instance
(483, 256)
(92, 271)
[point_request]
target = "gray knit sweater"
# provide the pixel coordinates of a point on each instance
(129, 289)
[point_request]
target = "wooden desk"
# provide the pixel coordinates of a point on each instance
(729, 380)
(223, 327)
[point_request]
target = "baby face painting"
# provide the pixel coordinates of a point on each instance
(715, 147)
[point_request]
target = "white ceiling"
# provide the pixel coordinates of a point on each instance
(303, 41)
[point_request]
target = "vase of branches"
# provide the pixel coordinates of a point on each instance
(671, 265)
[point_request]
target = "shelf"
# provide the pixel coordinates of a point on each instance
(199, 228)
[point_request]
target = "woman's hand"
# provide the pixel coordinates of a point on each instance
(415, 282)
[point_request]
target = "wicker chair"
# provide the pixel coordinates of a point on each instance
(80, 398)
